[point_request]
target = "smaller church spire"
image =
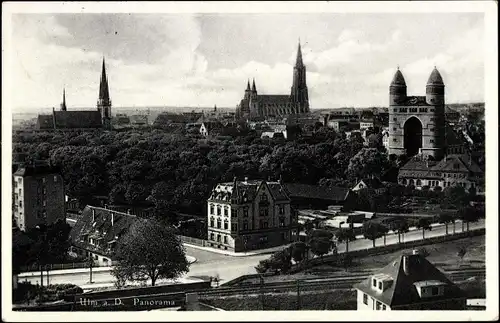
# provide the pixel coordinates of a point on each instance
(63, 104)
(254, 89)
(248, 85)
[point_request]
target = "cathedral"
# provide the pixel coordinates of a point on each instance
(65, 119)
(258, 106)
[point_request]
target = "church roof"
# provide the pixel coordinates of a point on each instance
(273, 99)
(403, 290)
(435, 78)
(77, 119)
(398, 79)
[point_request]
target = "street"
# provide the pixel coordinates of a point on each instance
(224, 266)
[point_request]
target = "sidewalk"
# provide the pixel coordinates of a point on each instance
(160, 282)
(237, 254)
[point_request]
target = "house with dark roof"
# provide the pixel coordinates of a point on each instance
(97, 231)
(452, 170)
(249, 215)
(304, 196)
(410, 282)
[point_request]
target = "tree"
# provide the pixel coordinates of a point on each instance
(384, 230)
(320, 242)
(345, 235)
(455, 196)
(424, 224)
(400, 226)
(372, 231)
(467, 215)
(281, 261)
(263, 266)
(368, 162)
(298, 251)
(150, 250)
(446, 219)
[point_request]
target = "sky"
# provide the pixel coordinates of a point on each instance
(202, 60)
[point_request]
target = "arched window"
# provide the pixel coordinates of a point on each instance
(212, 222)
(412, 182)
(419, 182)
(219, 222)
(404, 181)
(226, 225)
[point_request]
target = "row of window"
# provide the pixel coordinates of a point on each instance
(212, 237)
(412, 110)
(378, 305)
(263, 211)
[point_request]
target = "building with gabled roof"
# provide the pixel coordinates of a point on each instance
(410, 282)
(97, 230)
(249, 215)
(81, 119)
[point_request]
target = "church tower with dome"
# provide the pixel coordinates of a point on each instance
(417, 123)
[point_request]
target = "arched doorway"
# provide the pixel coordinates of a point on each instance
(413, 136)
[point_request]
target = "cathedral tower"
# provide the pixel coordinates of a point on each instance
(299, 94)
(417, 123)
(104, 102)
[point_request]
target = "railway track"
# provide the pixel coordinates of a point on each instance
(328, 283)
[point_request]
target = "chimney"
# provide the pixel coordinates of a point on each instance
(406, 264)
(112, 218)
(93, 215)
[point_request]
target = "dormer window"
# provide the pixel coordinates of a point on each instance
(430, 288)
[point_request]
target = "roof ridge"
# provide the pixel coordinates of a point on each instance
(110, 210)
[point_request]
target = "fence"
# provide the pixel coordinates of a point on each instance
(73, 265)
(195, 241)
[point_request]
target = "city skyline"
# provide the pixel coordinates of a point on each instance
(206, 59)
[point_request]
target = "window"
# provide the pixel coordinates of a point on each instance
(434, 291)
(219, 222)
(211, 209)
(282, 209)
(218, 210)
(394, 139)
(20, 203)
(365, 299)
(374, 283)
(225, 239)
(266, 225)
(226, 225)
(395, 110)
(20, 180)
(234, 227)
(380, 285)
(431, 129)
(212, 237)
(226, 211)
(212, 222)
(55, 178)
(245, 212)
(432, 140)
(263, 197)
(419, 182)
(44, 180)
(245, 225)
(44, 202)
(218, 238)
(378, 306)
(394, 119)
(282, 221)
(394, 128)
(383, 307)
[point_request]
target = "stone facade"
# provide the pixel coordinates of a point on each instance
(417, 123)
(249, 215)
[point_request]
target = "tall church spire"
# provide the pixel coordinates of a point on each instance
(254, 89)
(298, 61)
(248, 85)
(103, 87)
(63, 104)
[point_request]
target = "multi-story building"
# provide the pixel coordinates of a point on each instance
(410, 282)
(39, 196)
(417, 123)
(249, 215)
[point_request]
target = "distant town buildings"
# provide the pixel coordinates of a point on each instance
(39, 196)
(410, 282)
(77, 120)
(249, 215)
(254, 105)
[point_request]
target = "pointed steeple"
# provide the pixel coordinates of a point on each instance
(103, 86)
(63, 104)
(254, 89)
(299, 61)
(248, 85)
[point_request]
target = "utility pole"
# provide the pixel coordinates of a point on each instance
(261, 293)
(299, 305)
(91, 263)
